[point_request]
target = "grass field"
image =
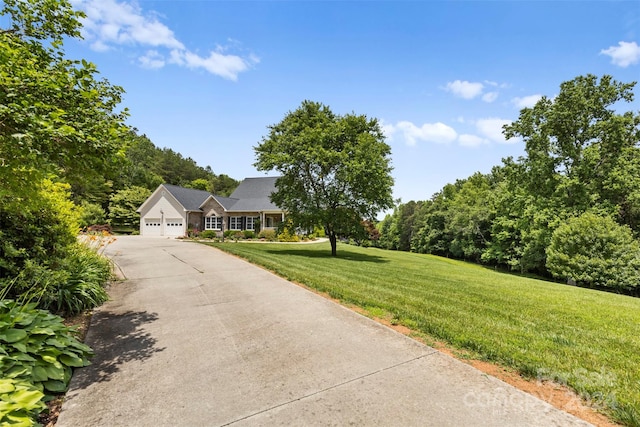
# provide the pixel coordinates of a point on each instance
(586, 339)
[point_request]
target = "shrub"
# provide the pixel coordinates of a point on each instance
(83, 288)
(287, 232)
(249, 234)
(91, 213)
(208, 234)
(269, 235)
(123, 205)
(74, 285)
(286, 236)
(37, 354)
(40, 230)
(595, 251)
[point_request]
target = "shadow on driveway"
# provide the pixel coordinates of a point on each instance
(121, 339)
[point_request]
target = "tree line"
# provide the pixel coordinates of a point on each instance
(569, 208)
(114, 198)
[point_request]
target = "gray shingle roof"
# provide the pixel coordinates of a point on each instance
(189, 198)
(253, 195)
(226, 202)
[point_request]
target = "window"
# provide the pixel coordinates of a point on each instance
(269, 222)
(235, 223)
(251, 224)
(213, 223)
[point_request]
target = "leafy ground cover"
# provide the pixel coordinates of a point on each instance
(37, 355)
(583, 338)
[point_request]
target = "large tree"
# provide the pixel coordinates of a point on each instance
(56, 116)
(58, 122)
(581, 153)
(335, 170)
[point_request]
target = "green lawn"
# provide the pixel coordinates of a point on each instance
(586, 339)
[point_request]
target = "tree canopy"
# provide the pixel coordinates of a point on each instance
(538, 213)
(56, 115)
(335, 170)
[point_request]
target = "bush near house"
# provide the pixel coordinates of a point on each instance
(269, 235)
(208, 234)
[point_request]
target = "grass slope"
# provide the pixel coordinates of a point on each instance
(586, 339)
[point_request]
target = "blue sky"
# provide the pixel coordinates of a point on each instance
(206, 78)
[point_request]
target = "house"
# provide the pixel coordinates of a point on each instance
(172, 210)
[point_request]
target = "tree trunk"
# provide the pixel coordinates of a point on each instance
(332, 239)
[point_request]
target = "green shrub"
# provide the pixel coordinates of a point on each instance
(83, 289)
(249, 234)
(76, 284)
(287, 232)
(233, 234)
(91, 214)
(40, 229)
(37, 354)
(595, 251)
(285, 236)
(208, 234)
(269, 235)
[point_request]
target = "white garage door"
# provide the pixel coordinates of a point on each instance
(173, 227)
(152, 227)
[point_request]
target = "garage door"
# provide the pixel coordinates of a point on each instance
(152, 227)
(173, 227)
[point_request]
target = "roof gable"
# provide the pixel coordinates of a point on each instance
(189, 198)
(252, 195)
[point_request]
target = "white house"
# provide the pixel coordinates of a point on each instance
(171, 210)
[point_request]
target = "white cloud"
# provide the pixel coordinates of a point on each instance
(111, 23)
(526, 101)
(492, 129)
(468, 140)
(490, 96)
(428, 132)
(623, 55)
(464, 89)
(469, 90)
(388, 129)
(227, 66)
(152, 59)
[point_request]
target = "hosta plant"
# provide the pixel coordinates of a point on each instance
(37, 354)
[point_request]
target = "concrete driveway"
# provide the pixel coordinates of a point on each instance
(196, 337)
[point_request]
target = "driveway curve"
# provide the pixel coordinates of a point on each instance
(196, 337)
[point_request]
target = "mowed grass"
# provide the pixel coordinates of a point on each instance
(586, 339)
